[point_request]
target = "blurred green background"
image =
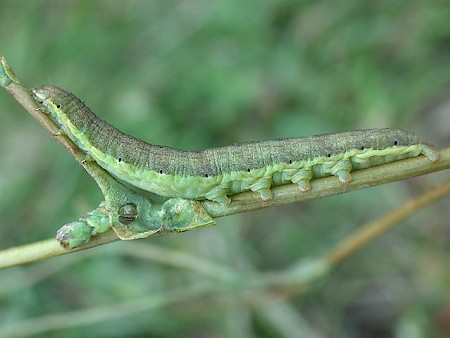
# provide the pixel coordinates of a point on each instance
(197, 74)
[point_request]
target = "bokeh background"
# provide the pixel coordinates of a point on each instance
(196, 74)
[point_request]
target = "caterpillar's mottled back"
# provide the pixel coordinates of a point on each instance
(218, 172)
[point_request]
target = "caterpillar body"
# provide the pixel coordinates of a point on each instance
(217, 173)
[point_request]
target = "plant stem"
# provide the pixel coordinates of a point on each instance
(242, 202)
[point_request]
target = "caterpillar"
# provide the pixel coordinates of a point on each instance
(217, 173)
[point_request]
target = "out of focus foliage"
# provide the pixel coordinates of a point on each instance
(196, 74)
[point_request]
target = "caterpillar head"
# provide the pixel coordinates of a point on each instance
(54, 102)
(47, 95)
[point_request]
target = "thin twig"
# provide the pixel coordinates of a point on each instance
(378, 227)
(37, 251)
(242, 202)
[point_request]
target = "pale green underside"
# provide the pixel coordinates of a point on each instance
(258, 179)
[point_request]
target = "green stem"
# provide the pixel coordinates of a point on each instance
(240, 203)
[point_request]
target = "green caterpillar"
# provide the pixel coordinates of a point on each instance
(216, 173)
